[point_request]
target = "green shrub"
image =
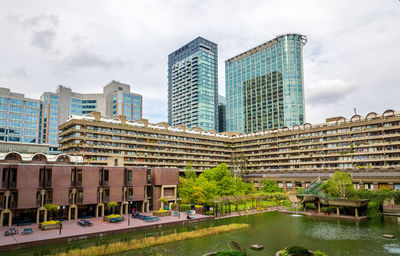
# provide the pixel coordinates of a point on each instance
(298, 251)
(185, 207)
(373, 210)
(319, 253)
(209, 213)
(230, 253)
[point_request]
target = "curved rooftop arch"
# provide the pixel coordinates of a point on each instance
(355, 118)
(13, 156)
(63, 158)
(40, 157)
(389, 112)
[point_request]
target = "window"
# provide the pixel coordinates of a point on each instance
(106, 195)
(80, 196)
(79, 178)
(106, 178)
(4, 178)
(48, 178)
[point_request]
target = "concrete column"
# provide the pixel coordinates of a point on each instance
(356, 212)
(391, 186)
(293, 185)
(376, 187)
(162, 196)
(362, 185)
(319, 207)
(284, 185)
(337, 211)
(303, 184)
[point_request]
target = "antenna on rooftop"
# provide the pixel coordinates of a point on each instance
(355, 111)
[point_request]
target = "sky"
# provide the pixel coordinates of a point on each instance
(351, 60)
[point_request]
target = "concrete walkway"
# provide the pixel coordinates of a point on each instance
(71, 231)
(251, 212)
(323, 215)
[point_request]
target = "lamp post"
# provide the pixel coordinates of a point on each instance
(58, 208)
(179, 212)
(129, 216)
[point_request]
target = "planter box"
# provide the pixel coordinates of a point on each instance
(51, 226)
(113, 220)
(162, 214)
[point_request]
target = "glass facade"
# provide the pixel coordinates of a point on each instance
(50, 118)
(128, 105)
(19, 120)
(89, 106)
(193, 85)
(264, 86)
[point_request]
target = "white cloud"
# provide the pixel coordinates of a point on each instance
(350, 60)
(329, 91)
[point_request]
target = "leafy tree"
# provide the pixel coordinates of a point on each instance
(212, 183)
(51, 208)
(269, 186)
(189, 172)
(340, 185)
(112, 205)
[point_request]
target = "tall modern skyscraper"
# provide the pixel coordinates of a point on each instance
(264, 86)
(221, 114)
(19, 117)
(116, 99)
(193, 85)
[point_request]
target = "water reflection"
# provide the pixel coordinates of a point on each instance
(272, 230)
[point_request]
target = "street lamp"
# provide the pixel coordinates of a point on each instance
(179, 212)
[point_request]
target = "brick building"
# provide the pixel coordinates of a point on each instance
(31, 181)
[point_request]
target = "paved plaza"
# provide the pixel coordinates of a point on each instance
(72, 231)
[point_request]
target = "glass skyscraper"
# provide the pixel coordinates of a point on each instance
(19, 117)
(264, 86)
(193, 85)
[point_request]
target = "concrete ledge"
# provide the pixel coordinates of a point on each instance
(331, 216)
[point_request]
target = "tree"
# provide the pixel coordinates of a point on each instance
(340, 185)
(269, 186)
(189, 172)
(51, 208)
(164, 201)
(112, 205)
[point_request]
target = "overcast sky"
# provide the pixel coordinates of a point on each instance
(351, 59)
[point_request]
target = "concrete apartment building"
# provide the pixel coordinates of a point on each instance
(365, 146)
(29, 181)
(264, 86)
(116, 99)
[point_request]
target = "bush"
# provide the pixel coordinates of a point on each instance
(298, 251)
(319, 253)
(230, 253)
(185, 207)
(209, 213)
(373, 210)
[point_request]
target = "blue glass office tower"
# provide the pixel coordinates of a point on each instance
(19, 117)
(264, 86)
(193, 85)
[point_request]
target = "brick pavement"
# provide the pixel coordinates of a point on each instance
(72, 231)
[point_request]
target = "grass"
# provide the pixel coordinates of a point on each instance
(152, 241)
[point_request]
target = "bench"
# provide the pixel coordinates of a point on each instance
(152, 219)
(27, 231)
(87, 222)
